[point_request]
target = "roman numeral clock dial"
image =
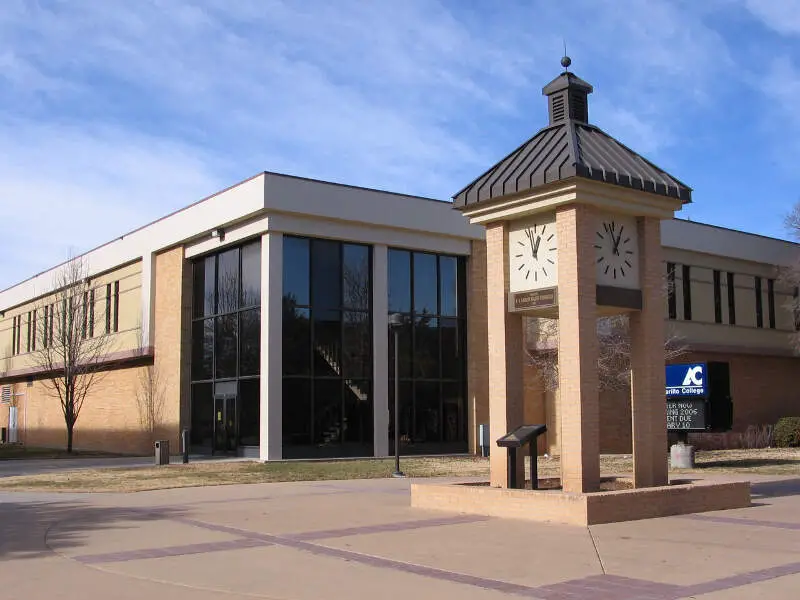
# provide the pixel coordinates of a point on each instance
(616, 252)
(533, 256)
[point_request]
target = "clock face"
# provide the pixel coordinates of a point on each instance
(533, 254)
(617, 251)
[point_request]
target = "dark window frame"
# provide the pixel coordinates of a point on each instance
(33, 333)
(91, 313)
(28, 334)
(672, 302)
(45, 325)
(116, 306)
(796, 295)
(311, 378)
(687, 292)
(213, 317)
(731, 281)
(771, 303)
(759, 302)
(108, 308)
(412, 379)
(717, 296)
(85, 315)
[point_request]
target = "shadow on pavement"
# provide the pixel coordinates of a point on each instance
(746, 463)
(27, 529)
(775, 489)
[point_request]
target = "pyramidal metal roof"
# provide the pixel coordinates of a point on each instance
(566, 148)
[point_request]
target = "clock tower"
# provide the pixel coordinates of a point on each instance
(572, 222)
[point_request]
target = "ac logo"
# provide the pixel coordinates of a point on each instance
(694, 376)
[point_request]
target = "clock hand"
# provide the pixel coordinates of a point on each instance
(536, 247)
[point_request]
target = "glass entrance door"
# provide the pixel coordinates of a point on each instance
(225, 423)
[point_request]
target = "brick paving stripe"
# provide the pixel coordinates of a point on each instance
(111, 557)
(385, 527)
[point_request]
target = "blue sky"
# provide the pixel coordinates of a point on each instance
(113, 113)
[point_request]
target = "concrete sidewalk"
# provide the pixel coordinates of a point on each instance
(34, 466)
(360, 539)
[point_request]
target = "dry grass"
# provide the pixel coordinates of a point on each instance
(763, 461)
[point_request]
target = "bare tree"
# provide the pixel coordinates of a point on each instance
(614, 351)
(65, 346)
(150, 396)
(791, 275)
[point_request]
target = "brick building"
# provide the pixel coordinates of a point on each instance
(264, 310)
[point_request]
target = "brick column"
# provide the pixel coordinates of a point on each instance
(477, 344)
(577, 350)
(648, 405)
(171, 337)
(505, 355)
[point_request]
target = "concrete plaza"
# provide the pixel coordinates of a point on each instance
(360, 539)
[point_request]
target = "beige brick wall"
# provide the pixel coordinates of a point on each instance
(111, 417)
(648, 407)
(126, 339)
(172, 337)
(477, 344)
(109, 421)
(577, 350)
(505, 341)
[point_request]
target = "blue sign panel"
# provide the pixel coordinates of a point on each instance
(687, 380)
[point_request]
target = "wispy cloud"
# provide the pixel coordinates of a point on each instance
(781, 15)
(116, 112)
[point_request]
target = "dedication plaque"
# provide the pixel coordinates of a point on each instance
(544, 298)
(685, 414)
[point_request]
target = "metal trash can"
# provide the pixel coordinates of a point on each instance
(162, 452)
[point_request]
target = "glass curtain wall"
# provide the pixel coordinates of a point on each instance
(226, 340)
(430, 291)
(327, 348)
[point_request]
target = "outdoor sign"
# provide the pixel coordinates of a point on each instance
(544, 298)
(686, 413)
(687, 393)
(687, 380)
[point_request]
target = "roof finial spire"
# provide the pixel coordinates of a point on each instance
(566, 61)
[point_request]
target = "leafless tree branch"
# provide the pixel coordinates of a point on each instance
(63, 347)
(614, 350)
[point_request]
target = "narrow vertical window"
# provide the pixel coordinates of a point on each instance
(45, 318)
(33, 333)
(108, 308)
(64, 335)
(731, 299)
(671, 299)
(116, 306)
(771, 302)
(797, 308)
(91, 313)
(28, 345)
(14, 336)
(717, 297)
(85, 315)
(759, 304)
(52, 318)
(687, 293)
